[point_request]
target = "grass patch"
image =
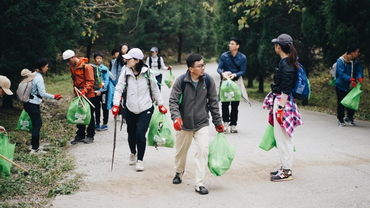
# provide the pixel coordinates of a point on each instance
(52, 173)
(323, 96)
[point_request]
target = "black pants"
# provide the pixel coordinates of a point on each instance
(33, 111)
(340, 109)
(91, 127)
(101, 104)
(233, 116)
(137, 125)
(159, 79)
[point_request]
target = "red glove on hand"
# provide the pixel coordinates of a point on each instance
(83, 92)
(360, 80)
(162, 109)
(279, 116)
(178, 124)
(353, 82)
(220, 128)
(115, 110)
(57, 97)
(169, 68)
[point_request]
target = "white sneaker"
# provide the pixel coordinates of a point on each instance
(37, 151)
(132, 159)
(233, 129)
(226, 126)
(139, 165)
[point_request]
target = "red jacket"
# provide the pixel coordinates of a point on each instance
(84, 79)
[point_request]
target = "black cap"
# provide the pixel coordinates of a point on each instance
(283, 39)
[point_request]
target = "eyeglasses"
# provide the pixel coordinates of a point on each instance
(200, 66)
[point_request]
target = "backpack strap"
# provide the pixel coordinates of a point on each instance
(232, 60)
(150, 61)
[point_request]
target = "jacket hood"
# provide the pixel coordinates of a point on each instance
(82, 61)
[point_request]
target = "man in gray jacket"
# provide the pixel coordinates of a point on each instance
(192, 97)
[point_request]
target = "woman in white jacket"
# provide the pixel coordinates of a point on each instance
(136, 79)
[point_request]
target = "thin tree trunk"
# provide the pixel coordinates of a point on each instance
(250, 82)
(180, 48)
(261, 82)
(88, 50)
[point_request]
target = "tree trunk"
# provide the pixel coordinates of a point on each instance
(180, 48)
(261, 82)
(250, 82)
(88, 50)
(7, 101)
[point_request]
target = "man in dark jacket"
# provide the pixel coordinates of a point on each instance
(190, 118)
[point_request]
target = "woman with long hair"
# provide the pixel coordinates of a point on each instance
(32, 107)
(135, 78)
(284, 114)
(119, 62)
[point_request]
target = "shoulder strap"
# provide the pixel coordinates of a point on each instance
(232, 60)
(149, 86)
(150, 61)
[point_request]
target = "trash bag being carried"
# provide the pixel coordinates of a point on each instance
(352, 99)
(160, 131)
(230, 91)
(78, 113)
(169, 79)
(6, 150)
(24, 122)
(220, 156)
(268, 139)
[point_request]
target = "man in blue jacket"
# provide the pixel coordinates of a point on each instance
(233, 65)
(347, 72)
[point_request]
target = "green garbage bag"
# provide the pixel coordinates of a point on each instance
(6, 150)
(77, 114)
(170, 78)
(160, 131)
(352, 99)
(24, 122)
(268, 139)
(220, 156)
(230, 91)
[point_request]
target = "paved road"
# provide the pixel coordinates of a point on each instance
(331, 168)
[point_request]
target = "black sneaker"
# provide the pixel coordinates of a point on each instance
(177, 179)
(201, 190)
(285, 175)
(341, 123)
(77, 139)
(350, 121)
(277, 171)
(89, 140)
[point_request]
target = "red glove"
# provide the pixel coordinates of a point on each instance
(57, 97)
(353, 82)
(169, 68)
(279, 116)
(178, 124)
(360, 80)
(162, 109)
(220, 128)
(83, 92)
(115, 110)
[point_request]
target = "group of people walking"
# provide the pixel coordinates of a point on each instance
(193, 97)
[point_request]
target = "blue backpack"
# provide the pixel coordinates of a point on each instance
(302, 89)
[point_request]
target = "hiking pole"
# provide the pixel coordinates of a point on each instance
(15, 164)
(85, 97)
(114, 140)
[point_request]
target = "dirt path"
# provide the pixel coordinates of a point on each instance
(331, 168)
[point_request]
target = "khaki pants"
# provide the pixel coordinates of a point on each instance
(284, 142)
(183, 142)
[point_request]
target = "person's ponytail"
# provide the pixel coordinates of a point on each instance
(292, 56)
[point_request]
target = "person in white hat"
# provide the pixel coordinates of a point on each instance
(32, 107)
(156, 63)
(4, 89)
(135, 77)
(83, 79)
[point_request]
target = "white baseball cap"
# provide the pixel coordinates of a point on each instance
(67, 55)
(5, 85)
(134, 53)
